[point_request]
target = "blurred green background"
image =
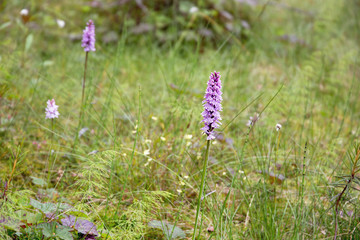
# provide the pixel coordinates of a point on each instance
(149, 73)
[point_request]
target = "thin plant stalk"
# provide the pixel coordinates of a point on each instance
(276, 149)
(51, 145)
(347, 186)
(82, 100)
(13, 169)
(88, 43)
(83, 86)
(202, 186)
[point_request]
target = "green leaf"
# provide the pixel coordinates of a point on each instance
(43, 207)
(168, 229)
(77, 213)
(28, 217)
(34, 218)
(28, 42)
(5, 25)
(64, 233)
(38, 181)
(54, 229)
(49, 207)
(9, 223)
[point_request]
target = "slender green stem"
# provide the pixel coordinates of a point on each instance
(83, 84)
(52, 130)
(201, 186)
(82, 101)
(51, 146)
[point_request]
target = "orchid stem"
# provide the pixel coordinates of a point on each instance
(83, 86)
(202, 186)
(82, 102)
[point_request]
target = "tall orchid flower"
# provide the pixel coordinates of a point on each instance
(51, 112)
(211, 120)
(212, 105)
(88, 43)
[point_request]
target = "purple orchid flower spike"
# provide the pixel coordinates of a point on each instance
(212, 105)
(88, 40)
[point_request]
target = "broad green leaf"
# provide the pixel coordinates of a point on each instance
(9, 223)
(38, 181)
(53, 229)
(29, 217)
(34, 218)
(168, 229)
(28, 42)
(5, 25)
(49, 207)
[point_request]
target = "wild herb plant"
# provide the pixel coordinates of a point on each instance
(88, 43)
(211, 119)
(51, 112)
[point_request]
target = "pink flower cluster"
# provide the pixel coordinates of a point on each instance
(51, 110)
(88, 40)
(212, 105)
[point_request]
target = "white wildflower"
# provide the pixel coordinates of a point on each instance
(188, 136)
(193, 10)
(60, 23)
(24, 12)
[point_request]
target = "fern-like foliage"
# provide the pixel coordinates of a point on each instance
(132, 223)
(95, 189)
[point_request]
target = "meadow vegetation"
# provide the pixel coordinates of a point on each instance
(130, 167)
